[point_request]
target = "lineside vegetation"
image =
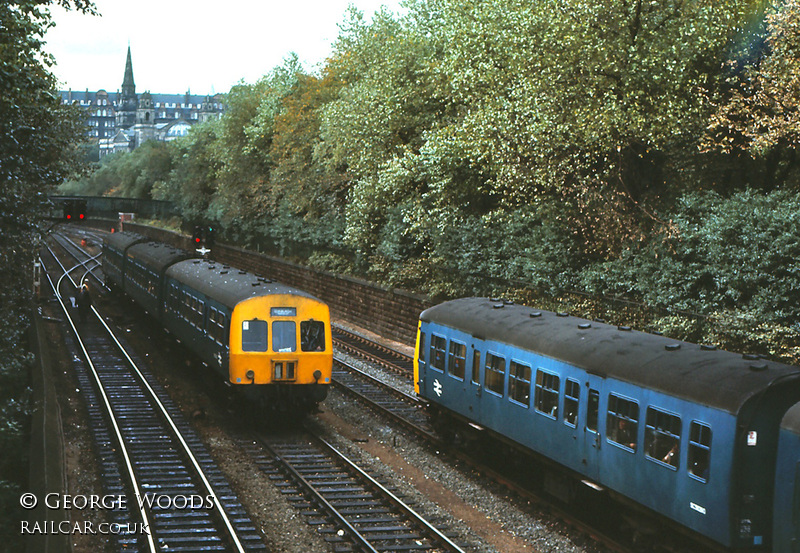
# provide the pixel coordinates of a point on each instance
(644, 150)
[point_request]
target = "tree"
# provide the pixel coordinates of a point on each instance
(38, 149)
(761, 116)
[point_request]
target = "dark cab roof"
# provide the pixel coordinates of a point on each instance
(156, 255)
(708, 376)
(121, 240)
(227, 285)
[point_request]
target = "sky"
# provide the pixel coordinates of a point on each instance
(185, 45)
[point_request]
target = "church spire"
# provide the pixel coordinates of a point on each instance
(128, 86)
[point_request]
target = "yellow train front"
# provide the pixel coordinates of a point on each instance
(271, 341)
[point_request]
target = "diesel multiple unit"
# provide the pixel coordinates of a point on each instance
(709, 439)
(270, 340)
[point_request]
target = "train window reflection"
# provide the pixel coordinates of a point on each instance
(457, 359)
(254, 335)
(519, 383)
(495, 373)
(622, 424)
(284, 336)
(438, 344)
(312, 335)
(662, 436)
(572, 396)
(699, 450)
(547, 385)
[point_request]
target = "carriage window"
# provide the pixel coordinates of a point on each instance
(662, 436)
(495, 373)
(476, 366)
(421, 347)
(572, 396)
(699, 450)
(457, 359)
(593, 412)
(284, 336)
(254, 335)
(547, 393)
(622, 423)
(312, 335)
(519, 383)
(438, 344)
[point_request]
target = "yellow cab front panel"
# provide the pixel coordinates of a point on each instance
(280, 339)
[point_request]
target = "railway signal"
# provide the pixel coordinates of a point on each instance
(197, 236)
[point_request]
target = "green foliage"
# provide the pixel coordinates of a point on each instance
(523, 148)
(737, 254)
(38, 148)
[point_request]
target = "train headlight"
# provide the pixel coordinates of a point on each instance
(250, 375)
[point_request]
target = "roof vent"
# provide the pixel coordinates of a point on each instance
(584, 326)
(498, 305)
(708, 347)
(758, 367)
(751, 356)
(535, 314)
(625, 328)
(562, 314)
(255, 284)
(672, 347)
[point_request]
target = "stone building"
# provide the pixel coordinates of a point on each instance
(123, 120)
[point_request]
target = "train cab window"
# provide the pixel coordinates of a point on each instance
(457, 359)
(284, 336)
(495, 373)
(593, 412)
(547, 393)
(622, 424)
(254, 335)
(519, 383)
(699, 450)
(572, 397)
(438, 345)
(662, 437)
(476, 366)
(421, 347)
(312, 335)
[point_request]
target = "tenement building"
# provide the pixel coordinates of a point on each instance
(123, 120)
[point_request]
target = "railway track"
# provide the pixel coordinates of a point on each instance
(394, 361)
(176, 497)
(350, 507)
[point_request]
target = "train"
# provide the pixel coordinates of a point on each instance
(270, 341)
(703, 440)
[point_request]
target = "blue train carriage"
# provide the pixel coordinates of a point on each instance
(145, 269)
(786, 524)
(115, 247)
(270, 340)
(685, 431)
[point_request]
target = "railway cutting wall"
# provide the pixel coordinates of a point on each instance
(390, 313)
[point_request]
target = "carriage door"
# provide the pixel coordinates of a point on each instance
(593, 427)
